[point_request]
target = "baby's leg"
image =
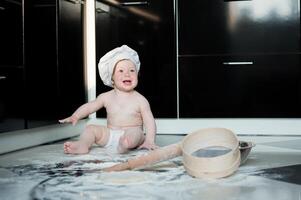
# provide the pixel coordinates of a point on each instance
(91, 135)
(131, 139)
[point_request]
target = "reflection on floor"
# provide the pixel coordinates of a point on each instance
(45, 172)
(290, 174)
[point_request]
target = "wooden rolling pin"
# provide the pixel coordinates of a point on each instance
(155, 156)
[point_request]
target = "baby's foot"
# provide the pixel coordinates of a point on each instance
(123, 145)
(75, 148)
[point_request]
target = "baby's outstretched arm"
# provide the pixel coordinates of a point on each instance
(72, 119)
(85, 110)
(150, 126)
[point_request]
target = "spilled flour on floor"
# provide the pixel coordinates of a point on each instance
(54, 175)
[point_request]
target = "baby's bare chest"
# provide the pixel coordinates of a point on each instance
(123, 108)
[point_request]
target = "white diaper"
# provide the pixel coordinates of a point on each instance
(113, 141)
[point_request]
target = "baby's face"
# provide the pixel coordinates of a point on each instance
(125, 75)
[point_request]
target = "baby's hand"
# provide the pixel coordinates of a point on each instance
(73, 119)
(148, 145)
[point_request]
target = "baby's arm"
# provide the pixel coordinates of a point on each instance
(150, 125)
(85, 110)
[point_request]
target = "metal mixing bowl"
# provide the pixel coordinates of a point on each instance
(245, 148)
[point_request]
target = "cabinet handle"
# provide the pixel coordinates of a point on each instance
(76, 1)
(237, 63)
(236, 0)
(99, 10)
(2, 77)
(135, 3)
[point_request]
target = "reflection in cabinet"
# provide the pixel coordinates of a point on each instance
(227, 27)
(239, 58)
(148, 28)
(240, 86)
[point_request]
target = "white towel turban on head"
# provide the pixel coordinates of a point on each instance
(108, 61)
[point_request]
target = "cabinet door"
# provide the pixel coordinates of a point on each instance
(71, 89)
(11, 99)
(225, 26)
(41, 62)
(11, 34)
(147, 27)
(54, 60)
(240, 86)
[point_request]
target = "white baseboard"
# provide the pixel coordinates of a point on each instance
(259, 126)
(15, 140)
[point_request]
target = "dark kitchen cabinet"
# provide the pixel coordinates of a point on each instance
(148, 27)
(248, 86)
(71, 87)
(11, 38)
(12, 116)
(236, 27)
(53, 60)
(11, 99)
(239, 59)
(40, 29)
(41, 65)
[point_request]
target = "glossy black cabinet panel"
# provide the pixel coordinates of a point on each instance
(240, 86)
(238, 27)
(147, 27)
(40, 63)
(53, 60)
(11, 34)
(11, 99)
(71, 89)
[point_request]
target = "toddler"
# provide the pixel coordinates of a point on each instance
(128, 112)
